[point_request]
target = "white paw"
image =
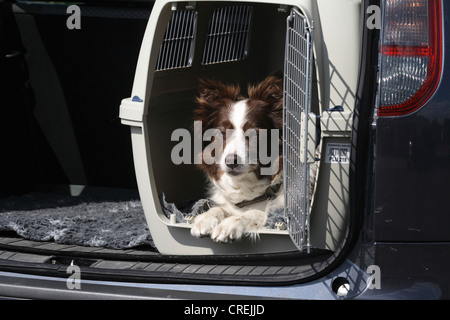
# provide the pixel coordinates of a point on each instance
(205, 223)
(230, 229)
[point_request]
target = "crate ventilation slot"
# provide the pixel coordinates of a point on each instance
(177, 48)
(228, 35)
(297, 103)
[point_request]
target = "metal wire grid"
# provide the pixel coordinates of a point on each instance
(297, 97)
(228, 35)
(177, 48)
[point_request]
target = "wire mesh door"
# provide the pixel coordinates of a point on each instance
(297, 97)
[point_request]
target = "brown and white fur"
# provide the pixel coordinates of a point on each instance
(233, 178)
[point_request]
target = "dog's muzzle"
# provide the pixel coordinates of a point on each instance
(234, 164)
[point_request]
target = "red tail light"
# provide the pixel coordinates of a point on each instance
(411, 55)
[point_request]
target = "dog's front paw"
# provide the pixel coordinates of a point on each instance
(228, 230)
(205, 223)
(235, 227)
(203, 226)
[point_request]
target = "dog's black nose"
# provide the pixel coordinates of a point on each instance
(232, 161)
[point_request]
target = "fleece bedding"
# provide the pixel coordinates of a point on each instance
(110, 219)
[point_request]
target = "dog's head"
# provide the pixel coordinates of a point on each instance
(241, 135)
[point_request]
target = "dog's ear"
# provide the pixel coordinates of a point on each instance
(213, 96)
(270, 90)
(268, 95)
(211, 91)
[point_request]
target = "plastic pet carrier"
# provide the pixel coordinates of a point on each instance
(315, 43)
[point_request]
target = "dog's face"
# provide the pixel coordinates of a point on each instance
(237, 124)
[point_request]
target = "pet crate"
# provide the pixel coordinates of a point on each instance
(316, 45)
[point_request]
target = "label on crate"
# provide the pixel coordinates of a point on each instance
(338, 153)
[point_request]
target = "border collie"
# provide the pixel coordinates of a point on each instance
(242, 187)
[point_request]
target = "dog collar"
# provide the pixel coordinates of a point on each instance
(270, 194)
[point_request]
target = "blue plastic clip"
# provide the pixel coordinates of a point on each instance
(136, 99)
(336, 109)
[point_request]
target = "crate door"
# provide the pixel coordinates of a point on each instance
(297, 97)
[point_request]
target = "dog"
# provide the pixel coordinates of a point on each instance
(242, 187)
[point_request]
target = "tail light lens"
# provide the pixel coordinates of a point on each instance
(411, 55)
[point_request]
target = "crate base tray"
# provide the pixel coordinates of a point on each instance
(177, 239)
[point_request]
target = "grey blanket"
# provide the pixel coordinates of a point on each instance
(106, 219)
(115, 222)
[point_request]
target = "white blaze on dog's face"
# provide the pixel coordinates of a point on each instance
(235, 158)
